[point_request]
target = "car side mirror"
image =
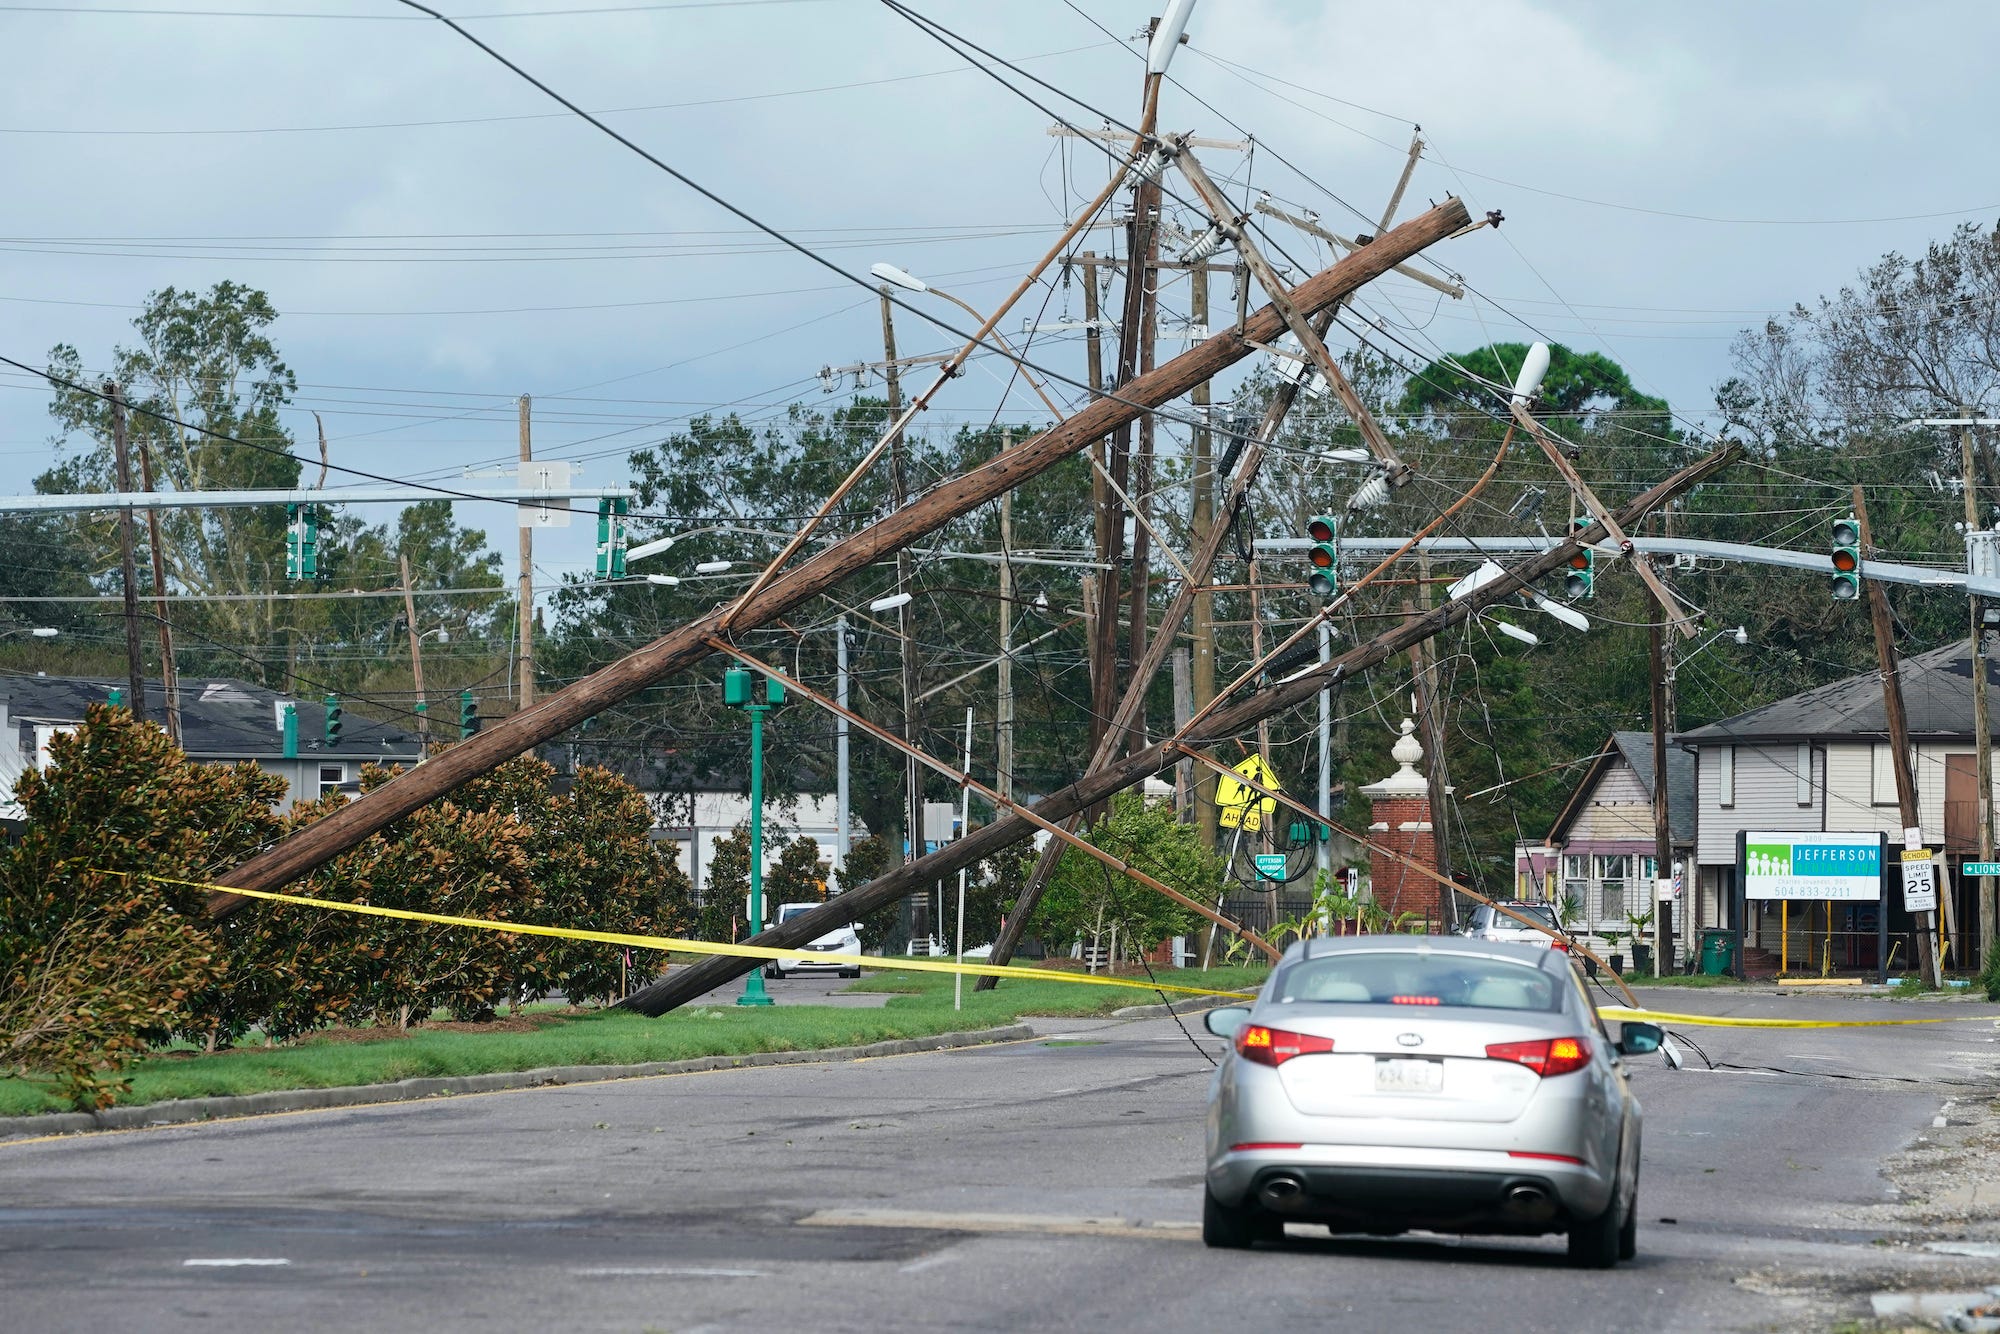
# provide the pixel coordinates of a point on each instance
(1225, 1021)
(1636, 1038)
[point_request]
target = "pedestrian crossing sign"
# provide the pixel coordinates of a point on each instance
(1242, 807)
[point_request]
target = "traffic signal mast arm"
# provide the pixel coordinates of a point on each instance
(681, 648)
(1669, 604)
(686, 984)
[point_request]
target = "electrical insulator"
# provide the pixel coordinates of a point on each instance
(1204, 246)
(1369, 494)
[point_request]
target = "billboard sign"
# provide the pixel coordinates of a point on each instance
(1821, 867)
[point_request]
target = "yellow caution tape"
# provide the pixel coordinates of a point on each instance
(1719, 1021)
(697, 946)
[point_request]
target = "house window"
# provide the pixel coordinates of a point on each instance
(1882, 774)
(331, 776)
(1803, 767)
(1576, 880)
(1725, 778)
(1613, 872)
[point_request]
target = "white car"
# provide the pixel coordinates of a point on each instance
(842, 940)
(1488, 923)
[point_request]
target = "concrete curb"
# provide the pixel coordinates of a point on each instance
(186, 1110)
(1192, 1005)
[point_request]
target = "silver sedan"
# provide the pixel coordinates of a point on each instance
(1384, 1083)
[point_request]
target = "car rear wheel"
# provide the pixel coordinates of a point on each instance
(850, 972)
(1236, 1228)
(1599, 1243)
(1628, 1235)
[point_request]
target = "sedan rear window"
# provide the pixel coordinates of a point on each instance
(1411, 978)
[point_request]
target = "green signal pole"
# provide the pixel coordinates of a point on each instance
(738, 689)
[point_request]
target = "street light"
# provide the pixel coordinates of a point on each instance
(38, 632)
(909, 282)
(890, 603)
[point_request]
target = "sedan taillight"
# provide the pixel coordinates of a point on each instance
(1545, 1056)
(1275, 1046)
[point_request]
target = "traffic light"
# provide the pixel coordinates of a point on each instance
(301, 542)
(333, 721)
(468, 715)
(1324, 581)
(1846, 557)
(1581, 580)
(611, 537)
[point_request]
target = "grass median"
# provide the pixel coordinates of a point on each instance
(920, 1007)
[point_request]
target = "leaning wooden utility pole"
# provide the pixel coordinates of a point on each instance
(950, 498)
(1982, 729)
(1899, 727)
(525, 613)
(127, 564)
(686, 984)
(170, 677)
(1201, 522)
(423, 708)
(1663, 842)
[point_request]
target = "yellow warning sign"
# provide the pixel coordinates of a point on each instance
(1241, 806)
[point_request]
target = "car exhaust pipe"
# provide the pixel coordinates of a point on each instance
(1529, 1201)
(1282, 1193)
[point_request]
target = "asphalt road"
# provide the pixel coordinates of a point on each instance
(1052, 1183)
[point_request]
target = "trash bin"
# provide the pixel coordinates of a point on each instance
(1718, 951)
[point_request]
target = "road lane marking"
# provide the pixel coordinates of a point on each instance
(1030, 1224)
(669, 1271)
(235, 1262)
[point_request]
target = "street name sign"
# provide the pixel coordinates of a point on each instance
(1271, 865)
(1981, 868)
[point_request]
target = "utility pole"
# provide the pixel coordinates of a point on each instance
(1982, 732)
(1899, 728)
(899, 482)
(128, 564)
(1003, 714)
(1101, 497)
(1201, 619)
(842, 836)
(1663, 845)
(422, 709)
(1146, 270)
(526, 613)
(170, 677)
(1322, 843)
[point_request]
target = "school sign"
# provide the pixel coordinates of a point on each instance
(1821, 867)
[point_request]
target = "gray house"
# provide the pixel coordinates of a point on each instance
(1820, 763)
(222, 722)
(1604, 834)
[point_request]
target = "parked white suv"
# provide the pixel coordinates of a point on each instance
(1490, 924)
(841, 940)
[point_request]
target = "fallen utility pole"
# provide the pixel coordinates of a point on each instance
(1899, 732)
(170, 677)
(680, 649)
(686, 984)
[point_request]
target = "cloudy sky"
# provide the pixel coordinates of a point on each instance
(439, 237)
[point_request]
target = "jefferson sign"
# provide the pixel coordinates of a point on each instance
(1844, 867)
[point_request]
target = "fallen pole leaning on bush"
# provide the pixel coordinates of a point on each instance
(687, 984)
(680, 649)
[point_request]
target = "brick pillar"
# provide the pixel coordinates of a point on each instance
(1402, 823)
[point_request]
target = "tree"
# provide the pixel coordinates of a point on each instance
(726, 888)
(1087, 899)
(798, 876)
(102, 945)
(207, 359)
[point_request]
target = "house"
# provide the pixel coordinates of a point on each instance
(223, 721)
(1820, 763)
(1601, 850)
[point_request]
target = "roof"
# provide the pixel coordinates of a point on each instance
(1937, 697)
(1636, 750)
(220, 717)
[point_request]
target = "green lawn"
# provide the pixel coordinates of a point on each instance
(615, 1037)
(1679, 980)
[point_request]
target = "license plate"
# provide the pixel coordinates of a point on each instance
(1393, 1076)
